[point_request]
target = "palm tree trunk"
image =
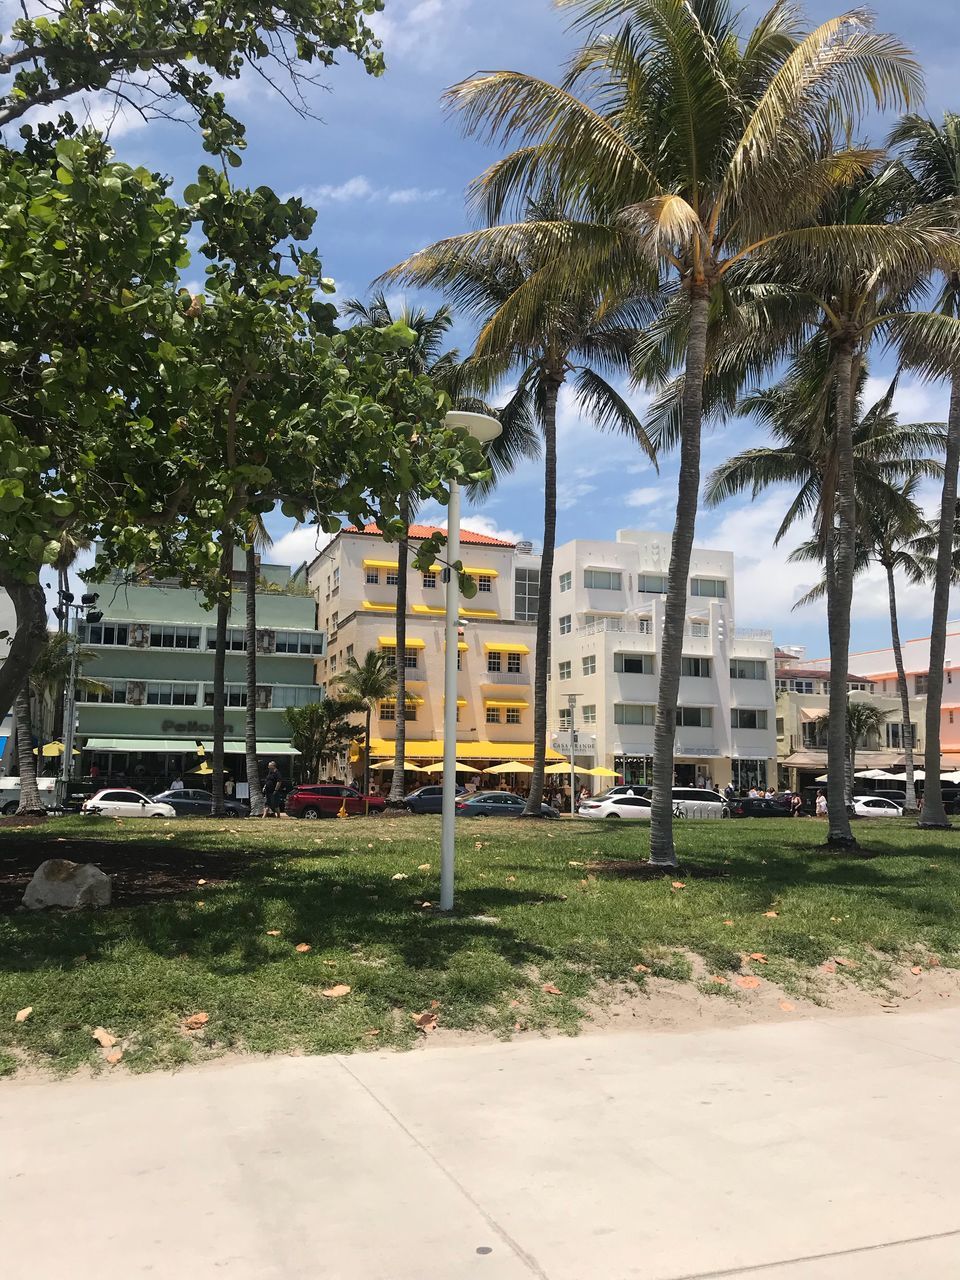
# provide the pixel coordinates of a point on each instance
(30, 801)
(839, 600)
(906, 730)
(400, 745)
(224, 595)
(850, 766)
(366, 750)
(250, 712)
(29, 638)
(662, 851)
(551, 391)
(933, 813)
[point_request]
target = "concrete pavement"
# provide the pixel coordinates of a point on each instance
(814, 1150)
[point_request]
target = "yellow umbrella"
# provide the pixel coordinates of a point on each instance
(388, 764)
(563, 767)
(52, 749)
(512, 766)
(204, 770)
(601, 772)
(457, 768)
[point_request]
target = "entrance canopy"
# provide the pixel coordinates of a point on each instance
(433, 750)
(185, 746)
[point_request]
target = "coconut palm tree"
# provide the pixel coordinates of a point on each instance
(861, 722)
(692, 149)
(367, 683)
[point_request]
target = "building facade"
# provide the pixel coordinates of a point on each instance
(154, 660)
(608, 606)
(355, 582)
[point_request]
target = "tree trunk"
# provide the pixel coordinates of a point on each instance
(933, 813)
(224, 594)
(551, 391)
(28, 640)
(30, 801)
(849, 770)
(906, 726)
(840, 597)
(250, 712)
(397, 788)
(662, 851)
(366, 750)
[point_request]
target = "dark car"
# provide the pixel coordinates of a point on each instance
(326, 799)
(756, 807)
(497, 804)
(197, 803)
(428, 799)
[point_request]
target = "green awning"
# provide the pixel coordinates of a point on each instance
(183, 746)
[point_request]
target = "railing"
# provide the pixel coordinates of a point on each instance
(752, 633)
(698, 630)
(505, 677)
(642, 627)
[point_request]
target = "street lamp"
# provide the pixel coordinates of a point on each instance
(69, 613)
(572, 704)
(483, 429)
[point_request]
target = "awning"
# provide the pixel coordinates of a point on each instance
(808, 714)
(502, 646)
(379, 608)
(390, 642)
(436, 611)
(381, 564)
(473, 570)
(433, 750)
(185, 746)
(497, 702)
(412, 698)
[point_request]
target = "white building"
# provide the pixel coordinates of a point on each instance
(608, 606)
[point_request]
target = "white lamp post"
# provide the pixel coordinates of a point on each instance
(572, 704)
(484, 429)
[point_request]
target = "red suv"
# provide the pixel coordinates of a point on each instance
(325, 799)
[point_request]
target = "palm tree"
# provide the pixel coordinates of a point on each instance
(321, 731)
(30, 801)
(861, 721)
(367, 683)
(585, 335)
(692, 151)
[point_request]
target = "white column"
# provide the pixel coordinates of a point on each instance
(451, 653)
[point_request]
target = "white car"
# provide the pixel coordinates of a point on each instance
(876, 807)
(697, 802)
(633, 808)
(125, 803)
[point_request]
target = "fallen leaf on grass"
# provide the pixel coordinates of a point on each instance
(24, 1014)
(425, 1022)
(771, 915)
(748, 982)
(640, 968)
(400, 876)
(917, 970)
(551, 990)
(933, 962)
(720, 981)
(201, 882)
(844, 963)
(201, 904)
(273, 933)
(829, 967)
(334, 993)
(103, 1038)
(728, 923)
(677, 884)
(514, 1004)
(758, 956)
(786, 1006)
(302, 947)
(113, 1056)
(510, 879)
(424, 866)
(372, 1031)
(195, 1021)
(574, 864)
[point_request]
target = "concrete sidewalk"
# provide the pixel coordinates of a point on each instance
(815, 1150)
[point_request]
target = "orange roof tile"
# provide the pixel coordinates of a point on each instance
(420, 531)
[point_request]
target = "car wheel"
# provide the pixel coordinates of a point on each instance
(10, 807)
(310, 813)
(612, 817)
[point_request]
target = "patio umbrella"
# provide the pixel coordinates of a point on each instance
(512, 766)
(388, 764)
(563, 767)
(204, 769)
(876, 775)
(52, 749)
(458, 768)
(601, 772)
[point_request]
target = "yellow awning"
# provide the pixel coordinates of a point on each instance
(461, 702)
(502, 646)
(379, 608)
(433, 750)
(498, 702)
(410, 697)
(428, 608)
(479, 613)
(390, 642)
(381, 564)
(436, 611)
(474, 571)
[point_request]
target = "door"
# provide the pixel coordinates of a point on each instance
(355, 803)
(123, 804)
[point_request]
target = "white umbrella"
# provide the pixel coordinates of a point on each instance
(876, 775)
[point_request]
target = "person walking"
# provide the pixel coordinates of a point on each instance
(796, 804)
(271, 791)
(821, 805)
(177, 784)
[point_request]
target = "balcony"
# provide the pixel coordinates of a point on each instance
(753, 633)
(504, 677)
(638, 627)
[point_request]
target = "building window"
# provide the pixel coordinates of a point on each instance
(167, 637)
(860, 686)
(895, 735)
(234, 695)
(699, 668)
(373, 577)
(484, 583)
(334, 621)
(410, 659)
(793, 686)
(713, 587)
(603, 579)
(749, 773)
(566, 624)
(526, 594)
(513, 715)
(348, 653)
(460, 659)
(236, 639)
(103, 632)
(748, 669)
(695, 717)
(590, 664)
(566, 581)
(493, 715)
(744, 718)
(298, 642)
(393, 577)
(388, 710)
(336, 579)
(333, 662)
(920, 684)
(564, 670)
(590, 713)
(429, 580)
(565, 714)
(171, 693)
(652, 583)
(494, 660)
(112, 691)
(633, 664)
(780, 729)
(294, 695)
(514, 663)
(633, 713)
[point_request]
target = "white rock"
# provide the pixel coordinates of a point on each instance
(60, 883)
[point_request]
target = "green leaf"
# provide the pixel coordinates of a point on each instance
(64, 176)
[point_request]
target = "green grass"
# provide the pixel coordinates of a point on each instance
(139, 970)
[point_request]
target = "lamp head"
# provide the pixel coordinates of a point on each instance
(478, 425)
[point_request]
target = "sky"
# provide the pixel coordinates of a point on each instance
(386, 167)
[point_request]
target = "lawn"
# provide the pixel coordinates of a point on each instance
(209, 916)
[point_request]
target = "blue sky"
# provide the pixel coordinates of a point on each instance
(386, 168)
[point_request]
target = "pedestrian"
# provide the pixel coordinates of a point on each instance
(229, 786)
(753, 793)
(177, 784)
(94, 770)
(796, 804)
(728, 791)
(271, 791)
(821, 805)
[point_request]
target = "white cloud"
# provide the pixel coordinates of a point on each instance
(422, 31)
(570, 492)
(646, 496)
(303, 543)
(359, 189)
(913, 400)
(436, 515)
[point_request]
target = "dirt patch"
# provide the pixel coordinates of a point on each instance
(23, 820)
(628, 869)
(141, 873)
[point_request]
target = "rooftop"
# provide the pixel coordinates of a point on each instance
(816, 673)
(418, 532)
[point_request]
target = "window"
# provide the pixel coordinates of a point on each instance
(699, 668)
(348, 653)
(112, 691)
(780, 727)
(526, 594)
(299, 642)
(652, 583)
(744, 718)
(633, 664)
(895, 735)
(603, 579)
(715, 587)
(393, 577)
(333, 662)
(234, 695)
(494, 660)
(748, 669)
(566, 624)
(513, 663)
(565, 714)
(590, 664)
(236, 638)
(167, 637)
(373, 577)
(460, 659)
(388, 710)
(564, 670)
(792, 686)
(484, 583)
(493, 715)
(590, 713)
(336, 579)
(410, 659)
(429, 581)
(633, 713)
(513, 715)
(920, 684)
(334, 621)
(566, 581)
(695, 717)
(171, 693)
(103, 632)
(700, 630)
(749, 773)
(294, 695)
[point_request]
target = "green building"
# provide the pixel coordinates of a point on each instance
(155, 656)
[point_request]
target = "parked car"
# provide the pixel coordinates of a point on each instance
(697, 802)
(756, 807)
(496, 804)
(325, 800)
(626, 789)
(10, 793)
(876, 807)
(428, 799)
(193, 802)
(125, 803)
(632, 808)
